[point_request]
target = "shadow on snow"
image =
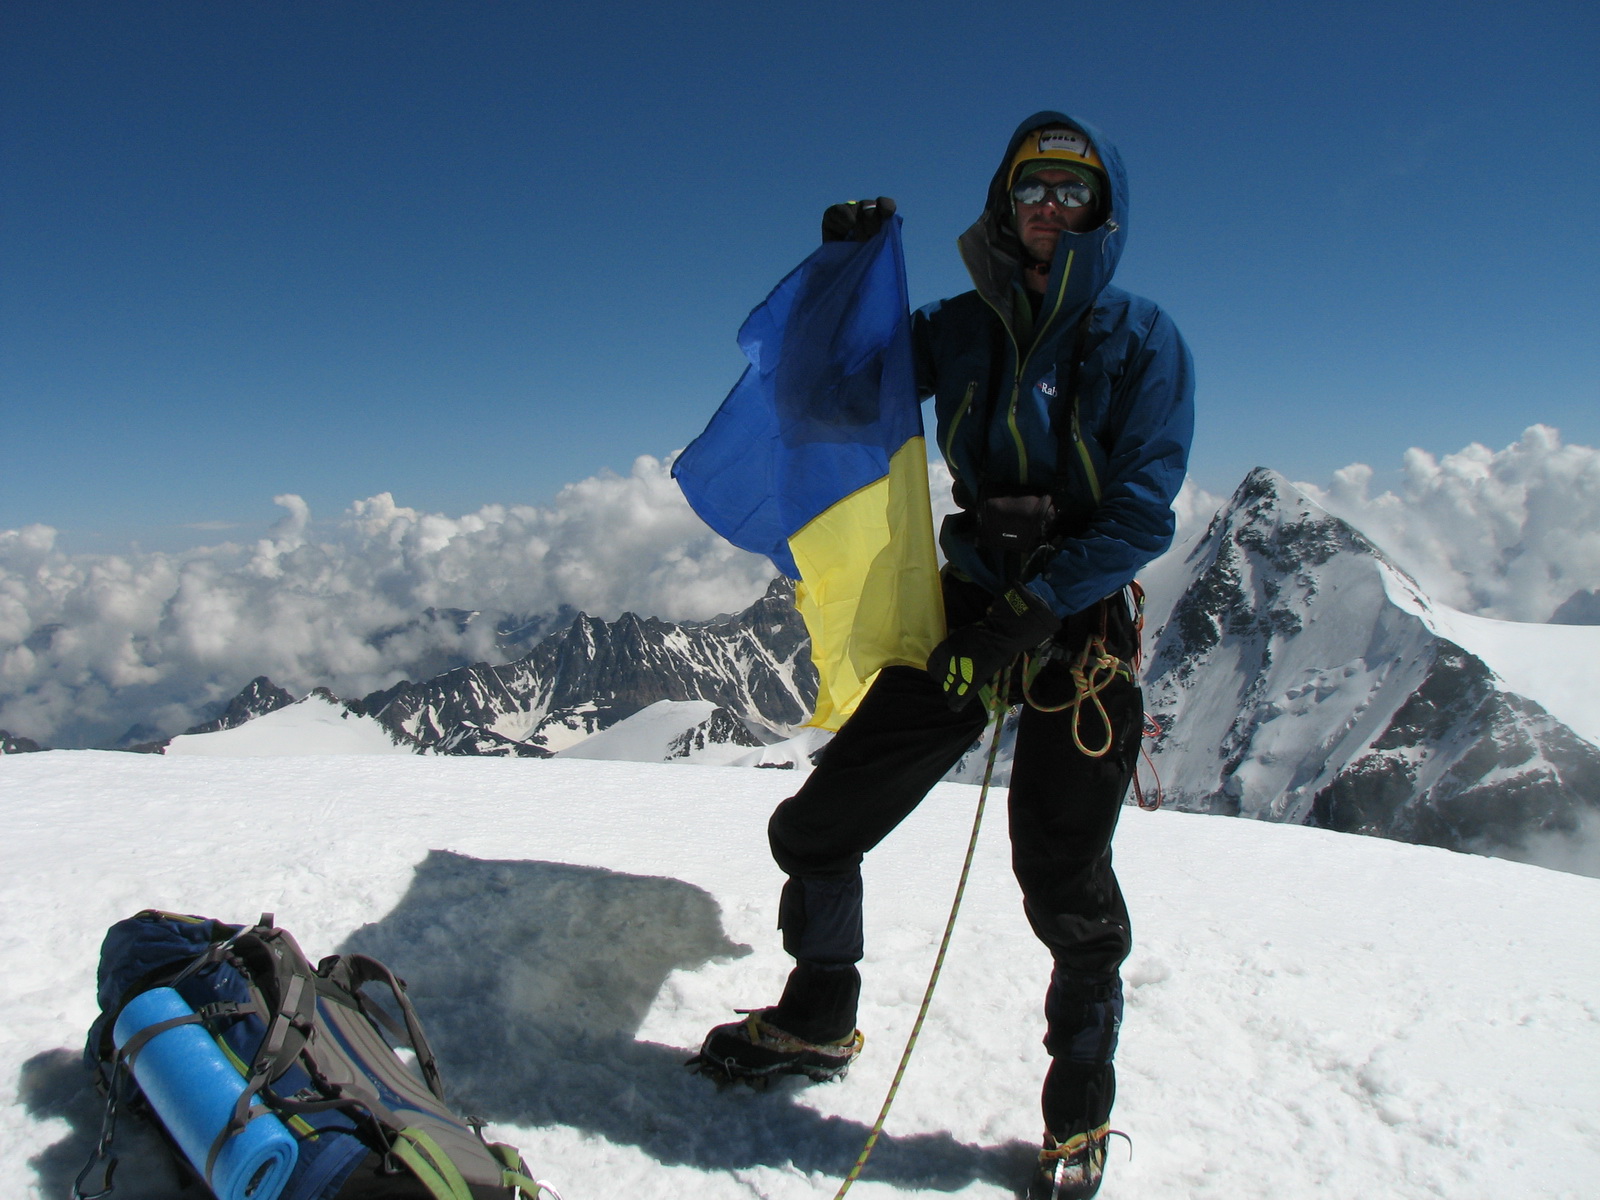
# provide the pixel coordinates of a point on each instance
(532, 979)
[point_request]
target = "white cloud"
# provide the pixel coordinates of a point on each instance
(1506, 533)
(1577, 851)
(91, 644)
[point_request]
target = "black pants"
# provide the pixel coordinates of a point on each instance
(1063, 807)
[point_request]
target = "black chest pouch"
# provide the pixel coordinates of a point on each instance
(1016, 528)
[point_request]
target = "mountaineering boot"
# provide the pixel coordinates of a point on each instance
(755, 1050)
(818, 1002)
(1070, 1169)
(811, 1031)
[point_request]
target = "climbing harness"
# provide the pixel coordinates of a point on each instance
(1094, 670)
(1000, 710)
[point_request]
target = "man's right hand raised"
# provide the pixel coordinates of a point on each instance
(856, 220)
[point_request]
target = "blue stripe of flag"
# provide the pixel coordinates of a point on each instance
(829, 396)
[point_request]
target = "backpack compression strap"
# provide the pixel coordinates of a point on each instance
(353, 971)
(433, 1168)
(285, 995)
(284, 988)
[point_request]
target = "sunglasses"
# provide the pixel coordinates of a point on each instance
(1074, 193)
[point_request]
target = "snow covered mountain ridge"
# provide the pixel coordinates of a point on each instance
(718, 690)
(1299, 675)
(754, 667)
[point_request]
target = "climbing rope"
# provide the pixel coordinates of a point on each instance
(1092, 672)
(1000, 709)
(1151, 802)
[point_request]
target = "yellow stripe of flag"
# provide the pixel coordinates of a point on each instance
(869, 584)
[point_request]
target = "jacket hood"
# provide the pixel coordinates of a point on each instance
(993, 254)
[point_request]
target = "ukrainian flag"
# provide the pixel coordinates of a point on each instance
(816, 459)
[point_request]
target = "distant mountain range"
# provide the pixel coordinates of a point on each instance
(754, 666)
(1297, 675)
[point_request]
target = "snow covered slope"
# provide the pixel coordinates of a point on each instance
(317, 724)
(682, 730)
(1555, 666)
(1308, 1013)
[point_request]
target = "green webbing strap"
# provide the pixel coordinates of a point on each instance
(1000, 709)
(430, 1164)
(513, 1173)
(516, 1179)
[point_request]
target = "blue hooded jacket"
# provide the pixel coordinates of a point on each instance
(1114, 453)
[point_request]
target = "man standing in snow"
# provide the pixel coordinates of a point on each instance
(1065, 409)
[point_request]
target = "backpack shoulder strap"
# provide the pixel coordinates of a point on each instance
(285, 985)
(351, 972)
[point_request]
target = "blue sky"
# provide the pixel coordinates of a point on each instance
(466, 252)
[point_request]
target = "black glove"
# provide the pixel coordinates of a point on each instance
(856, 220)
(969, 658)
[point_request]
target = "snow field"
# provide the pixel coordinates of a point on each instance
(311, 725)
(1551, 664)
(1305, 1010)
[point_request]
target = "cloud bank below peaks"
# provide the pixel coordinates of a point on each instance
(92, 645)
(1510, 533)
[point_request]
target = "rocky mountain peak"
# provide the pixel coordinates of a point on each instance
(258, 697)
(1255, 574)
(1290, 685)
(11, 743)
(755, 664)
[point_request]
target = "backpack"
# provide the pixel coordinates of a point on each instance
(315, 1050)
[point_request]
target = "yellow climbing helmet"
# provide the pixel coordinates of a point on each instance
(1053, 144)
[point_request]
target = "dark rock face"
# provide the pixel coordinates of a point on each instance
(1465, 766)
(14, 744)
(1580, 608)
(1240, 585)
(721, 728)
(259, 697)
(756, 665)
